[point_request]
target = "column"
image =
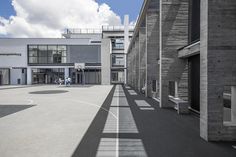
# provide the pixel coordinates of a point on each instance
(217, 66)
(152, 46)
(66, 74)
(173, 35)
(136, 63)
(29, 76)
(106, 49)
(233, 104)
(126, 44)
(142, 56)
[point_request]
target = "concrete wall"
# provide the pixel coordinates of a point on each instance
(9, 61)
(136, 64)
(218, 66)
(106, 49)
(217, 58)
(152, 45)
(15, 74)
(174, 36)
(144, 54)
(143, 57)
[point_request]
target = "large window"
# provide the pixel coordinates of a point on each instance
(47, 54)
(118, 44)
(118, 60)
(117, 76)
(47, 76)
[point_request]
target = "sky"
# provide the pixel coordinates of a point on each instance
(47, 18)
(122, 7)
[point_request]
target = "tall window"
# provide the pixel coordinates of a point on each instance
(47, 54)
(194, 21)
(172, 88)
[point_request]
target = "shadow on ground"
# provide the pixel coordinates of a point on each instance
(10, 109)
(49, 92)
(89, 144)
(147, 130)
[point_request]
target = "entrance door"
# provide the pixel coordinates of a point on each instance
(80, 78)
(194, 82)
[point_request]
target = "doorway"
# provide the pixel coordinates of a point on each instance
(194, 82)
(80, 78)
(47, 76)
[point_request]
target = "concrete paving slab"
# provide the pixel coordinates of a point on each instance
(54, 126)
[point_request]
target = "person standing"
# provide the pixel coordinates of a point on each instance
(60, 81)
(69, 81)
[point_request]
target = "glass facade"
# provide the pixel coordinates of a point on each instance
(47, 76)
(117, 76)
(4, 76)
(89, 76)
(118, 60)
(117, 43)
(47, 54)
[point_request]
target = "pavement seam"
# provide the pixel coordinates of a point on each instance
(117, 125)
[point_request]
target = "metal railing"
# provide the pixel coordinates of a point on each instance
(116, 28)
(96, 30)
(83, 31)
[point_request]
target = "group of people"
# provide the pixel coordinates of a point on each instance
(67, 81)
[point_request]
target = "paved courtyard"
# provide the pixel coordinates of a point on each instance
(46, 121)
(89, 121)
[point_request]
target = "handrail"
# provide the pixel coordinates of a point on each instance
(83, 31)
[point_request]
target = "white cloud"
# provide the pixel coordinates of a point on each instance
(47, 18)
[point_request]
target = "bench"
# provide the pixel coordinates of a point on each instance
(181, 106)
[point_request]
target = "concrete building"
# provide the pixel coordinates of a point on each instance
(45, 60)
(183, 55)
(115, 42)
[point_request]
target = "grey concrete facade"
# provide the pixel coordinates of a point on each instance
(152, 38)
(106, 61)
(143, 56)
(218, 66)
(163, 55)
(119, 38)
(174, 35)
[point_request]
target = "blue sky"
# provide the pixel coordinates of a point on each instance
(121, 7)
(6, 8)
(42, 18)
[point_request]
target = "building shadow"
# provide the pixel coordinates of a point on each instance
(145, 130)
(10, 109)
(164, 133)
(90, 142)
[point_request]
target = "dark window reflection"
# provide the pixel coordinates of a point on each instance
(194, 21)
(47, 54)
